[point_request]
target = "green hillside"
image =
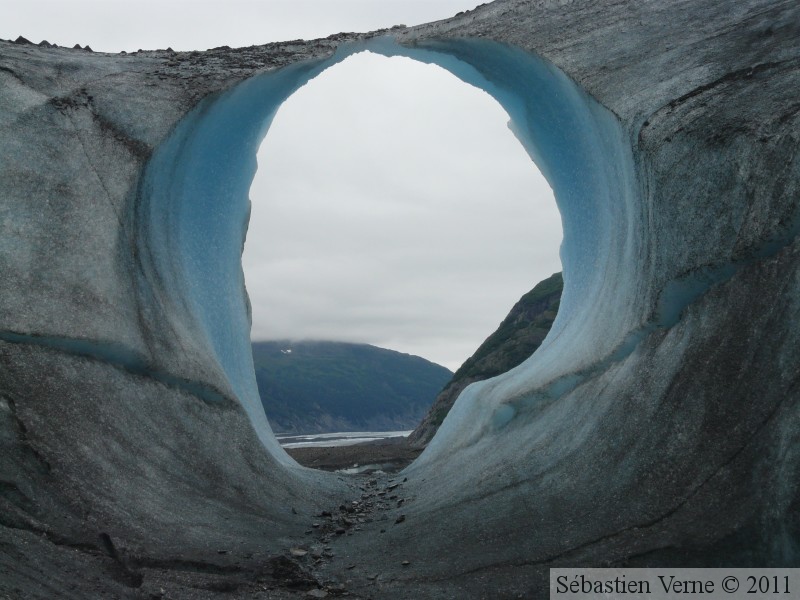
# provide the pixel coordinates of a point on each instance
(316, 387)
(517, 337)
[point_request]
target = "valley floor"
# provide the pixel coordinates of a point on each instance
(389, 455)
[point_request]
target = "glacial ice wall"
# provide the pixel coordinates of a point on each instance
(194, 214)
(582, 150)
(194, 202)
(657, 425)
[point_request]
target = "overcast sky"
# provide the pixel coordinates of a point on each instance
(392, 204)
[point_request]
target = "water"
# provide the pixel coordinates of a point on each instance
(342, 438)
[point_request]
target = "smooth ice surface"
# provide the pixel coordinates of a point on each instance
(581, 149)
(197, 186)
(198, 181)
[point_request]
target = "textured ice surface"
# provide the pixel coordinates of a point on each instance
(657, 425)
(580, 148)
(197, 207)
(197, 185)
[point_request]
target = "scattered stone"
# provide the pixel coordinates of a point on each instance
(372, 576)
(383, 531)
(340, 531)
(350, 567)
(222, 551)
(317, 593)
(325, 513)
(405, 563)
(315, 525)
(399, 519)
(294, 511)
(400, 502)
(298, 552)
(316, 552)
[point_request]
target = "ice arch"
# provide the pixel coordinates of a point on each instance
(674, 437)
(195, 206)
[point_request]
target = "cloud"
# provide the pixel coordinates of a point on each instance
(393, 206)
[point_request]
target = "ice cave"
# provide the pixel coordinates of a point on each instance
(657, 425)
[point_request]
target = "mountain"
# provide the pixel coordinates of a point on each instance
(517, 337)
(317, 387)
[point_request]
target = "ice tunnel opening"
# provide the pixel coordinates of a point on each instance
(392, 206)
(195, 209)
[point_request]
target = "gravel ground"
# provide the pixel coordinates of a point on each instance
(392, 455)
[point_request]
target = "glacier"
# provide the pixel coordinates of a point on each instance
(657, 424)
(194, 199)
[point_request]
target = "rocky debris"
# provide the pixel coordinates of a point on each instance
(22, 41)
(349, 518)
